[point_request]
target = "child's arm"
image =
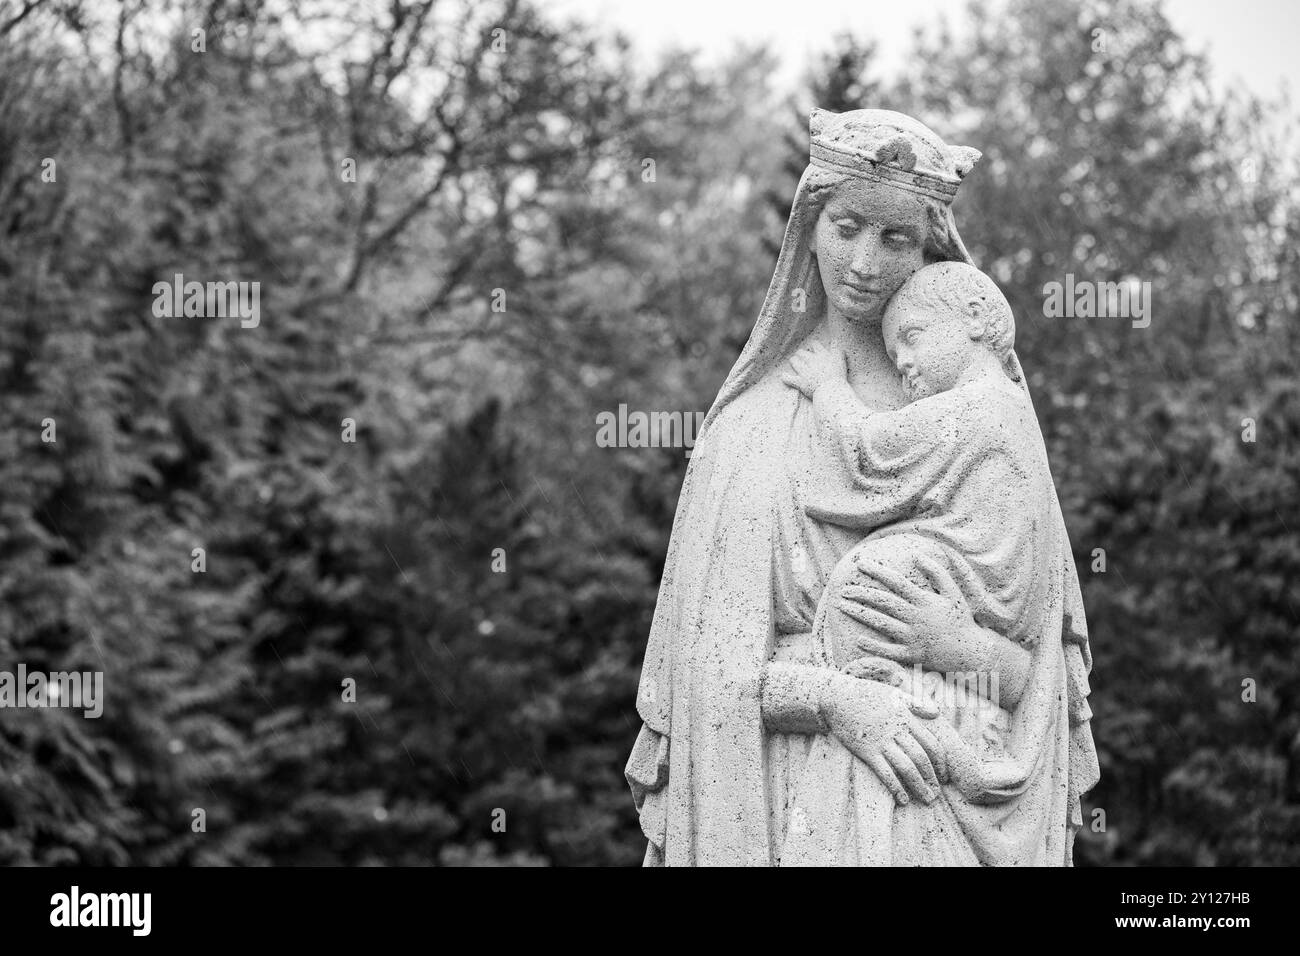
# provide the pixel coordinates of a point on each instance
(844, 421)
(814, 364)
(821, 374)
(881, 463)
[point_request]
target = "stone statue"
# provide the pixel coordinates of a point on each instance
(869, 646)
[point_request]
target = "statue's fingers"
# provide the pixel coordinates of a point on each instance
(889, 630)
(887, 602)
(880, 767)
(879, 669)
(866, 644)
(930, 742)
(892, 580)
(898, 653)
(795, 382)
(876, 620)
(860, 669)
(920, 757)
(925, 709)
(909, 772)
(938, 577)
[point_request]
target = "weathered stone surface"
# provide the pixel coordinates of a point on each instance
(869, 646)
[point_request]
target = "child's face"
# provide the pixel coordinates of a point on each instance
(931, 349)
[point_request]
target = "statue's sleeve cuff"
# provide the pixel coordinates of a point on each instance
(792, 698)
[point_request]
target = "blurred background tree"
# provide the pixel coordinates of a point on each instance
(476, 227)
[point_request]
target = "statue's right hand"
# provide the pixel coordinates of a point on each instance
(886, 729)
(813, 364)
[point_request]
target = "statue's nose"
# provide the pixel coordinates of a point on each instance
(866, 258)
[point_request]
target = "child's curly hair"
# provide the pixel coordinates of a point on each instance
(959, 287)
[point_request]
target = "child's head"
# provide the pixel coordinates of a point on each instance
(941, 320)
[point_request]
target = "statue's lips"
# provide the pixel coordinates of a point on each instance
(860, 292)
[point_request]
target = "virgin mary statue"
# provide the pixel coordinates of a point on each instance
(734, 696)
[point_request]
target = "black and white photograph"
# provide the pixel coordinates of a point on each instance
(571, 434)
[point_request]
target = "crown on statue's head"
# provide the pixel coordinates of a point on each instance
(888, 147)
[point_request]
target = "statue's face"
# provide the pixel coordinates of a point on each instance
(868, 239)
